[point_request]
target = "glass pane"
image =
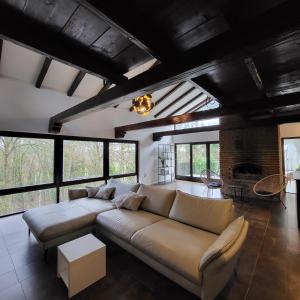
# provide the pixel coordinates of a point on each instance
(82, 159)
(199, 159)
(291, 160)
(215, 158)
(183, 160)
(121, 158)
(25, 161)
(194, 124)
(19, 202)
(129, 179)
(63, 191)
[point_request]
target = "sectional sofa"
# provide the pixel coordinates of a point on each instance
(191, 240)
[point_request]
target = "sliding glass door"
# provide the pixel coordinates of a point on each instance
(199, 159)
(193, 159)
(183, 161)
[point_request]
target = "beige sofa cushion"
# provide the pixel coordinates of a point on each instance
(204, 213)
(176, 245)
(54, 220)
(95, 205)
(158, 200)
(124, 223)
(223, 242)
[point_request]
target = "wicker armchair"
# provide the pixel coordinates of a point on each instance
(211, 179)
(271, 186)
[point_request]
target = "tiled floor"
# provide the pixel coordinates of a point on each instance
(269, 267)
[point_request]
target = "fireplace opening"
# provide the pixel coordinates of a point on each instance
(247, 171)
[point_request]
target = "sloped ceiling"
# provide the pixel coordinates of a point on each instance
(24, 101)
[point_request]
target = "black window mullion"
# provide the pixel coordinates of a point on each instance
(58, 165)
(106, 161)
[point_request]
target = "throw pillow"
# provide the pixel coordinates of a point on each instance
(130, 200)
(92, 191)
(119, 199)
(105, 192)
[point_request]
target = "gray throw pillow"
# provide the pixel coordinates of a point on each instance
(105, 192)
(92, 191)
(122, 187)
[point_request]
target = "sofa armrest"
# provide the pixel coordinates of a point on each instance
(77, 193)
(217, 272)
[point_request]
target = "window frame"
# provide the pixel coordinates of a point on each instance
(191, 177)
(58, 163)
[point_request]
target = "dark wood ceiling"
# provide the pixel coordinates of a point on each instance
(240, 51)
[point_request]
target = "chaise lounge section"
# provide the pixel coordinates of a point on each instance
(193, 241)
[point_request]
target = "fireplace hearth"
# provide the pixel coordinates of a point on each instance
(247, 155)
(246, 171)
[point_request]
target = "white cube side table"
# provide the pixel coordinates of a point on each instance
(81, 262)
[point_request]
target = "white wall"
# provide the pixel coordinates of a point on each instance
(26, 108)
(197, 137)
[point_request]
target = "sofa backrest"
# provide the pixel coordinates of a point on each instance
(158, 200)
(208, 214)
(122, 187)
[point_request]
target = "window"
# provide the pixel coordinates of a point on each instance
(39, 169)
(25, 162)
(194, 124)
(129, 179)
(82, 159)
(14, 203)
(193, 159)
(122, 158)
(183, 160)
(199, 159)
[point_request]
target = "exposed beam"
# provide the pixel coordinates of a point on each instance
(143, 35)
(75, 83)
(106, 85)
(43, 72)
(1, 46)
(185, 104)
(238, 43)
(174, 101)
(251, 107)
(169, 93)
(250, 64)
(203, 82)
(230, 126)
(20, 29)
(199, 105)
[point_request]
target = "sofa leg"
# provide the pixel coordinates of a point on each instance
(29, 231)
(45, 255)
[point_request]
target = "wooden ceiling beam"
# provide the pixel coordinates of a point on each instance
(43, 72)
(75, 83)
(174, 101)
(20, 29)
(199, 105)
(106, 86)
(237, 43)
(154, 43)
(169, 93)
(185, 104)
(251, 107)
(203, 82)
(157, 136)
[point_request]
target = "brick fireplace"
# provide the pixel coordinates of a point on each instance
(247, 155)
